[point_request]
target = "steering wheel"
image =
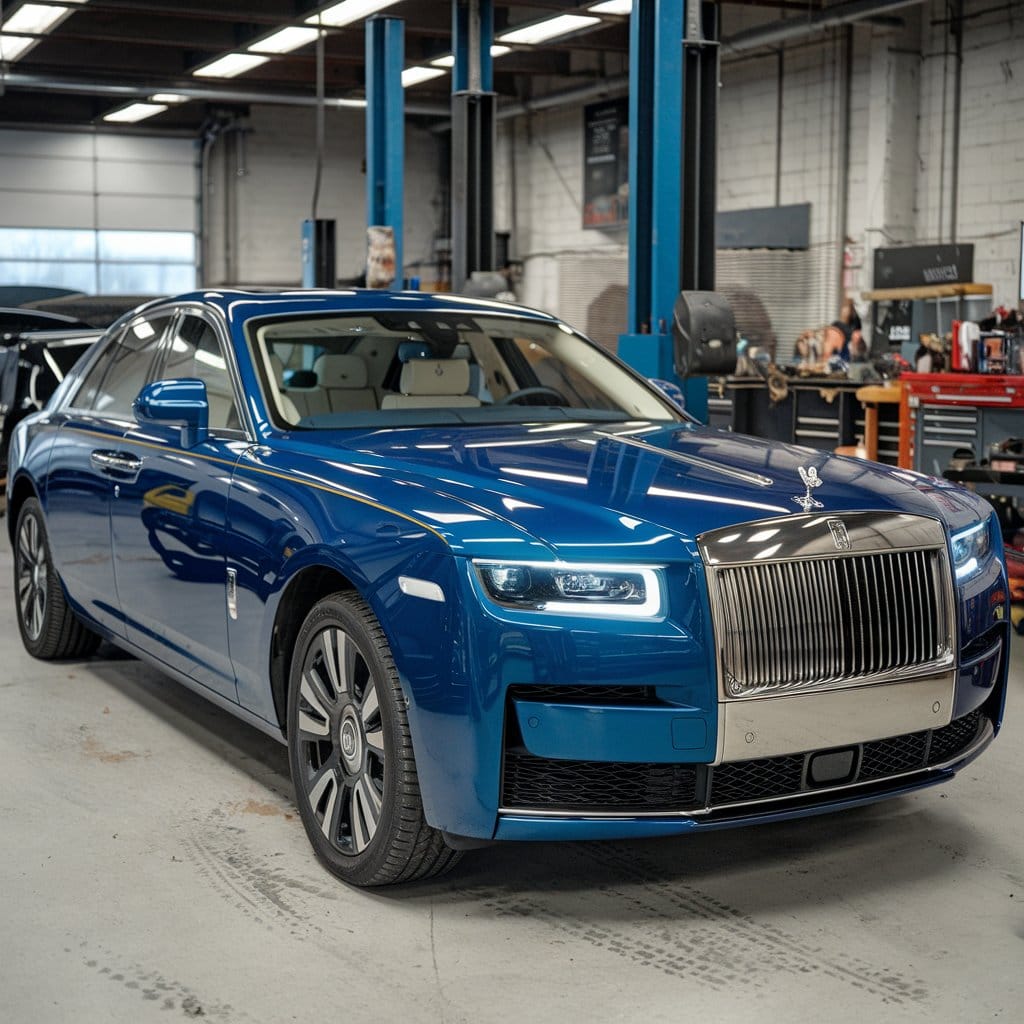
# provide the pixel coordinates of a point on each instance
(514, 396)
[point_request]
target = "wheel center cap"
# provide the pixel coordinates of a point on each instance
(350, 740)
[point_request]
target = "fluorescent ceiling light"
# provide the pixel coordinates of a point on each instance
(613, 7)
(135, 112)
(415, 75)
(168, 97)
(541, 31)
(35, 18)
(285, 40)
(12, 47)
(348, 11)
(229, 65)
(448, 61)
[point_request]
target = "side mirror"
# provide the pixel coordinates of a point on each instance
(181, 402)
(704, 330)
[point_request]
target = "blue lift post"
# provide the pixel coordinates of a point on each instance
(657, 126)
(385, 130)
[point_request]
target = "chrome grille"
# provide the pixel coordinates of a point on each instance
(816, 621)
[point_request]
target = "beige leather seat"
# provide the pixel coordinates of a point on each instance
(343, 381)
(433, 384)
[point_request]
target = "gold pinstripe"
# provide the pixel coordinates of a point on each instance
(265, 472)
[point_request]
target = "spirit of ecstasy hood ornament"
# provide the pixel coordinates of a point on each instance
(811, 480)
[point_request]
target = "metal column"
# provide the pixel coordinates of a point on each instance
(473, 109)
(385, 129)
(672, 179)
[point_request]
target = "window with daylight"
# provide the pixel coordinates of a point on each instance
(103, 262)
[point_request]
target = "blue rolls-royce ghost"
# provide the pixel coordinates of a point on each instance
(487, 583)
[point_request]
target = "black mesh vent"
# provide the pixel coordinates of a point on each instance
(894, 756)
(550, 784)
(950, 740)
(753, 780)
(592, 785)
(585, 694)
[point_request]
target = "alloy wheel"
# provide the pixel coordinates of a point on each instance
(32, 576)
(341, 741)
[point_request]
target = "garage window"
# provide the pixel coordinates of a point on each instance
(102, 262)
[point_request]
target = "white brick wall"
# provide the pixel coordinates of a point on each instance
(899, 152)
(274, 195)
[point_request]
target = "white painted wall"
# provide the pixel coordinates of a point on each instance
(53, 179)
(260, 190)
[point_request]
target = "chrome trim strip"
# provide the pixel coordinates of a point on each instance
(986, 735)
(747, 476)
(778, 725)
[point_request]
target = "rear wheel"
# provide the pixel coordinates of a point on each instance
(351, 752)
(49, 628)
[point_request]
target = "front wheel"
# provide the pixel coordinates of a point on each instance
(351, 753)
(49, 628)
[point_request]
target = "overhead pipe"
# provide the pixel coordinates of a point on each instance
(44, 83)
(796, 28)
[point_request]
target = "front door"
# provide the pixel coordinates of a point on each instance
(168, 522)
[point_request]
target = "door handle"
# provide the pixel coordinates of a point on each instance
(121, 464)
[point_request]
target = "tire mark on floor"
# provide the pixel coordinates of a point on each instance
(257, 885)
(154, 987)
(889, 985)
(678, 930)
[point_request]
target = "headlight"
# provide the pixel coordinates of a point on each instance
(970, 548)
(622, 591)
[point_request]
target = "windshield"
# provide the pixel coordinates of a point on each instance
(374, 369)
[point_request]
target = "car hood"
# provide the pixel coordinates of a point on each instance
(611, 490)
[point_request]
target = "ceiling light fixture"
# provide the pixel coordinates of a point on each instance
(417, 74)
(35, 18)
(285, 40)
(168, 97)
(134, 112)
(339, 15)
(612, 7)
(12, 47)
(448, 61)
(551, 28)
(229, 65)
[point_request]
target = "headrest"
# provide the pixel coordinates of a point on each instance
(338, 371)
(435, 377)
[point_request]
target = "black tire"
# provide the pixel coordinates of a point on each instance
(351, 753)
(49, 628)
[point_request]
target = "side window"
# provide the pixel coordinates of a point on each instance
(127, 365)
(195, 351)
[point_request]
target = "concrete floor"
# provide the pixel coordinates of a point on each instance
(152, 867)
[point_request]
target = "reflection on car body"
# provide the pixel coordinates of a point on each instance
(487, 583)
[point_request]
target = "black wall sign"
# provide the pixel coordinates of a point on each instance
(913, 265)
(606, 164)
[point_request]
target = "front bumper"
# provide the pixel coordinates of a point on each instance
(732, 794)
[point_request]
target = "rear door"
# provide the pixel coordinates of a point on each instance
(168, 521)
(88, 466)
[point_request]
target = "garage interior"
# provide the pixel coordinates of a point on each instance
(791, 154)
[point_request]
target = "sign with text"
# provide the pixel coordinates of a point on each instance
(606, 164)
(913, 265)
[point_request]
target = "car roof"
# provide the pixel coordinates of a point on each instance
(236, 304)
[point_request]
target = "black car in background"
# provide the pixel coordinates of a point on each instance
(32, 363)
(14, 320)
